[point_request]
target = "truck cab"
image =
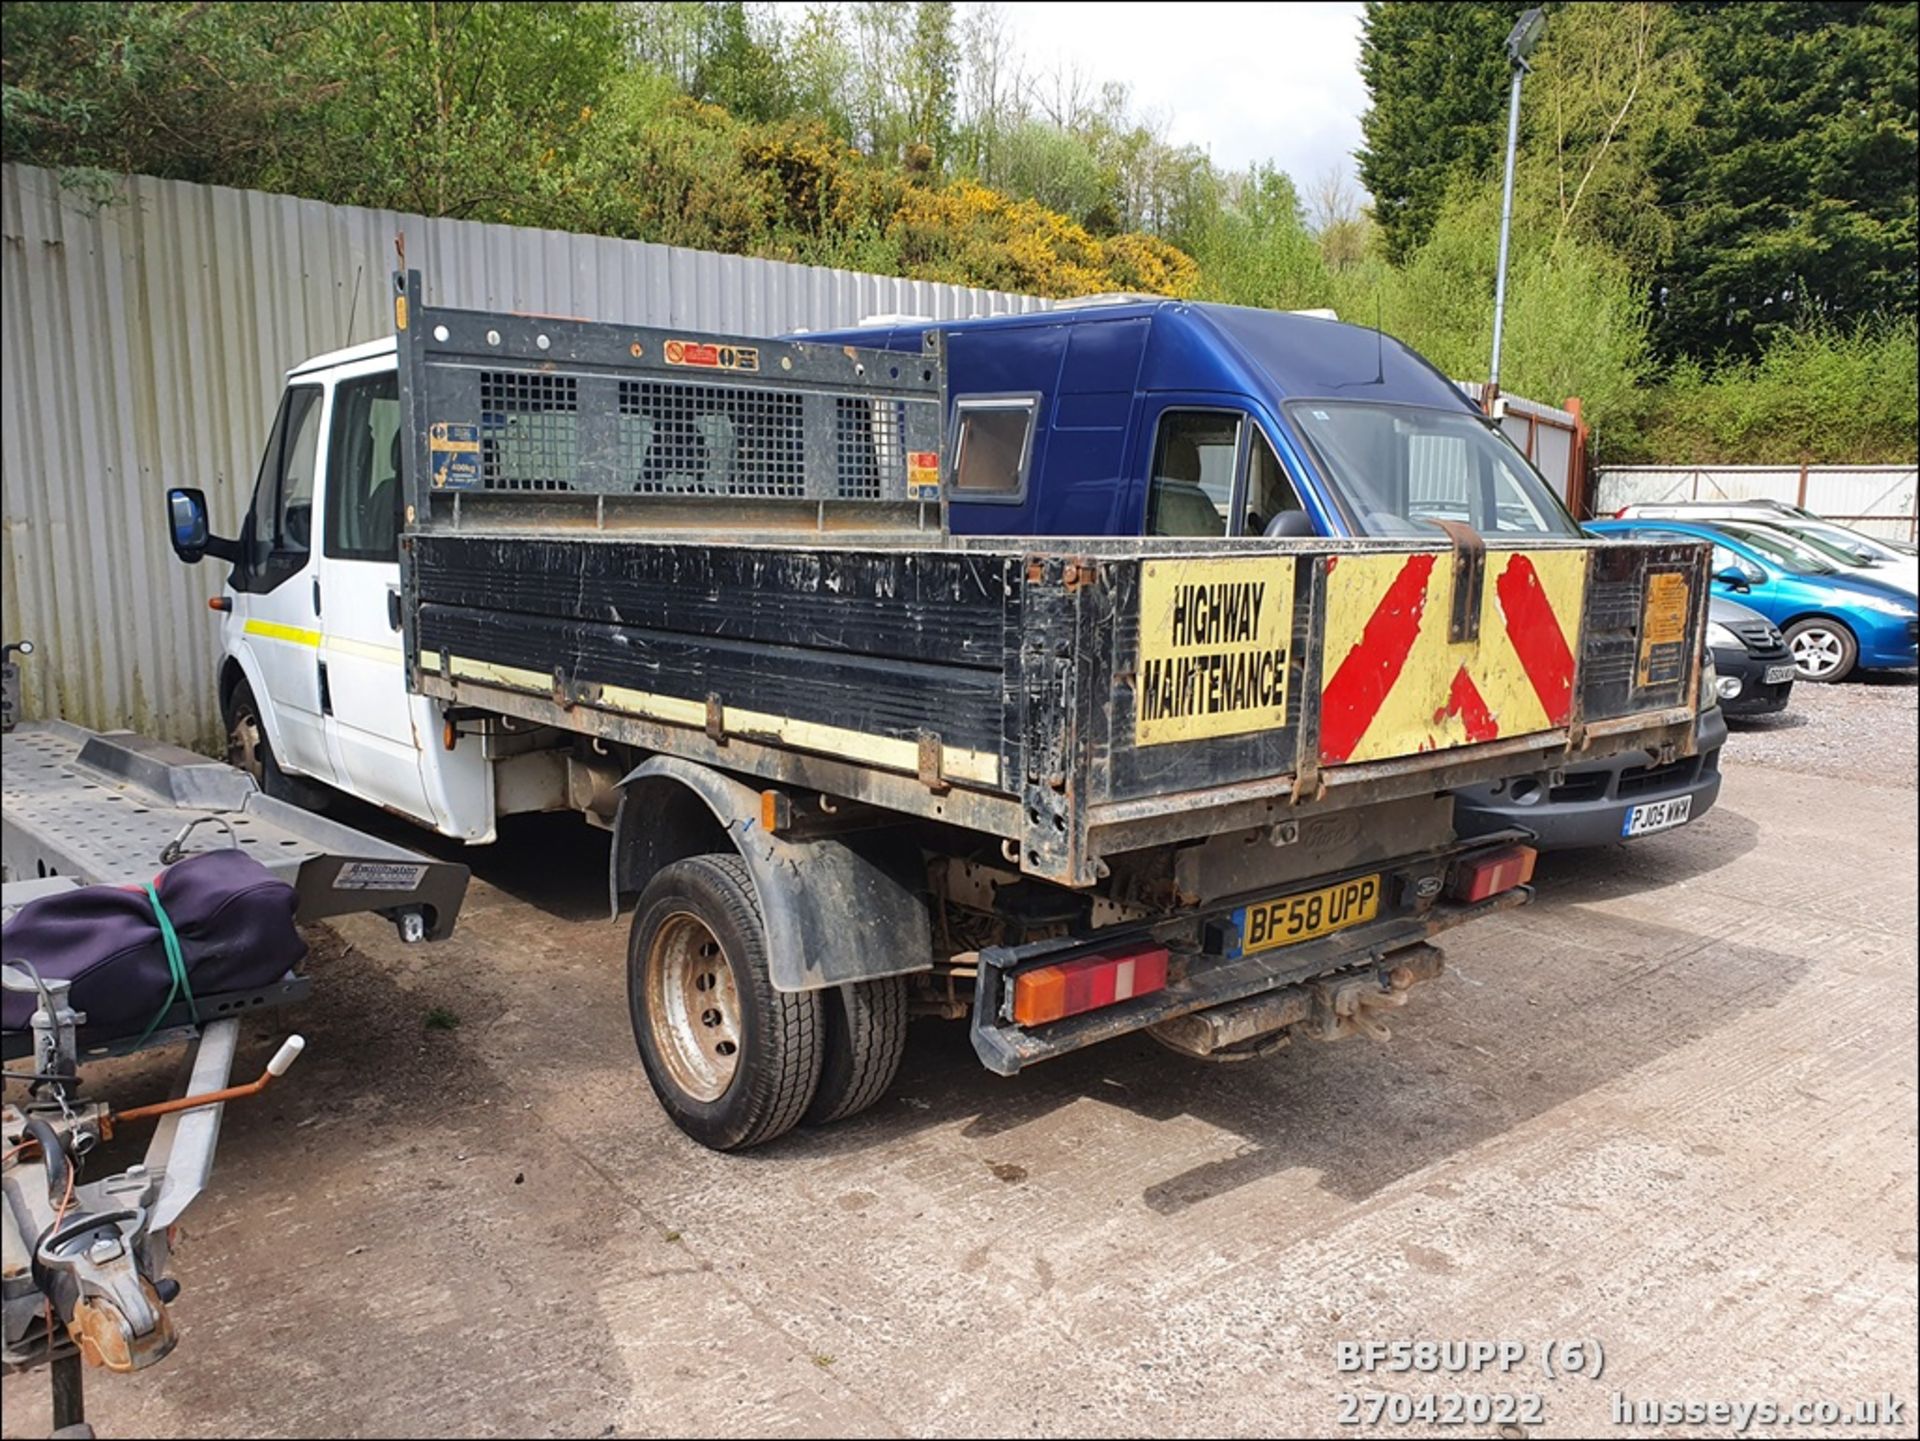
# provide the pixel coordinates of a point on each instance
(313, 690)
(1134, 415)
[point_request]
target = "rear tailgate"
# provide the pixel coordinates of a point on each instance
(1238, 684)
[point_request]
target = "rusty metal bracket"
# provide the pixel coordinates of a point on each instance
(1078, 572)
(930, 753)
(1308, 783)
(1469, 581)
(716, 719)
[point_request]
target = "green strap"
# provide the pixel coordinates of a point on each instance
(176, 968)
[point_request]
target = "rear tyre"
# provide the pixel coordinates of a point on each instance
(249, 749)
(733, 1061)
(1823, 650)
(866, 1034)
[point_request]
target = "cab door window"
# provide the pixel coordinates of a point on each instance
(1194, 459)
(363, 470)
(280, 523)
(1270, 491)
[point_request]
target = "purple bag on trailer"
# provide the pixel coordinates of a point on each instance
(234, 920)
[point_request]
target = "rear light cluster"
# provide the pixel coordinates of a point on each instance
(1088, 983)
(1492, 873)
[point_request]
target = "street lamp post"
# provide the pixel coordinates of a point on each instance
(1520, 43)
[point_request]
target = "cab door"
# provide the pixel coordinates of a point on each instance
(277, 589)
(386, 743)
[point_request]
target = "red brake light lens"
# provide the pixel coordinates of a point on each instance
(1070, 987)
(1492, 873)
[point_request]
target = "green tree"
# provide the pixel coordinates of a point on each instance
(1795, 190)
(739, 69)
(1437, 75)
(1576, 317)
(1257, 249)
(933, 58)
(1037, 160)
(202, 92)
(457, 109)
(1613, 86)
(819, 66)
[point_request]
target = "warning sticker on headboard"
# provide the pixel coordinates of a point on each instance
(455, 453)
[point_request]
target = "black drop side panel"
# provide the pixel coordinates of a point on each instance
(890, 643)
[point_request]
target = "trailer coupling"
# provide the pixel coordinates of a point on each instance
(85, 1262)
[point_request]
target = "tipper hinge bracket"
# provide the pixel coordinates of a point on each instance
(1469, 581)
(930, 752)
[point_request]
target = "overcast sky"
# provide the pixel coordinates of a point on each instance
(1244, 82)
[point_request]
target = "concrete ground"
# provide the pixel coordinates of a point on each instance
(1669, 1108)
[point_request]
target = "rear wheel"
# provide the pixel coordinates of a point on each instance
(866, 1034)
(1823, 650)
(733, 1061)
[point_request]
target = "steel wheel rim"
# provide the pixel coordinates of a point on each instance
(243, 747)
(1817, 652)
(693, 1007)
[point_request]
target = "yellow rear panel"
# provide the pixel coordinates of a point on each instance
(1392, 684)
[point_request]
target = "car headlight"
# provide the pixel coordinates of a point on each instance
(1709, 683)
(1719, 636)
(1887, 605)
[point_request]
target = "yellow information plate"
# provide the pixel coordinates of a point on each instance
(1663, 627)
(1269, 924)
(1214, 642)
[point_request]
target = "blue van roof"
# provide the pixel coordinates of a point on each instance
(1199, 345)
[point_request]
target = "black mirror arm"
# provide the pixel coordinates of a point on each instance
(221, 547)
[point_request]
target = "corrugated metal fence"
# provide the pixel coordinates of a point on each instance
(143, 345)
(1879, 499)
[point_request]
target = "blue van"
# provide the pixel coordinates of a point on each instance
(1131, 415)
(1135, 416)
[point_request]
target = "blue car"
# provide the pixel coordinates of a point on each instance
(1834, 622)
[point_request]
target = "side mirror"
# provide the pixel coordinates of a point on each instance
(187, 528)
(1733, 577)
(1291, 525)
(187, 523)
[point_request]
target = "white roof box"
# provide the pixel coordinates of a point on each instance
(893, 318)
(1106, 297)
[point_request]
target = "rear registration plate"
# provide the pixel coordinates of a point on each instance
(1657, 816)
(1777, 673)
(1287, 919)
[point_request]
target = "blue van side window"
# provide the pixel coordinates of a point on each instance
(993, 446)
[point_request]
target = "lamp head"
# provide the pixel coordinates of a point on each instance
(1526, 34)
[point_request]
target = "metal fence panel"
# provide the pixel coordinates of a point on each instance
(144, 344)
(1878, 499)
